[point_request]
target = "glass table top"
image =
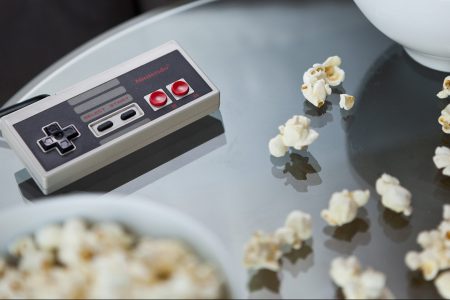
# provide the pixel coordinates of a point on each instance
(219, 169)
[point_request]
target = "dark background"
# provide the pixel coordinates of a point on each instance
(36, 33)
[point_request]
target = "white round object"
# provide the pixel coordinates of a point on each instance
(141, 216)
(421, 27)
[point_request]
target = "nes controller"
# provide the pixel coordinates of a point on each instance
(83, 128)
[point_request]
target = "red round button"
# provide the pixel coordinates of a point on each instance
(180, 88)
(158, 99)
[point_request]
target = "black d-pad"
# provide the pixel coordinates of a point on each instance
(58, 138)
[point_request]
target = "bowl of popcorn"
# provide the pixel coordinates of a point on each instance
(92, 247)
(421, 27)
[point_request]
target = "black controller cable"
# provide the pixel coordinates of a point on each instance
(13, 108)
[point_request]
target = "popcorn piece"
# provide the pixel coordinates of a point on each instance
(277, 147)
(343, 207)
(316, 92)
(344, 270)
(435, 254)
(346, 101)
(393, 195)
(347, 274)
(48, 238)
(22, 247)
(334, 74)
(74, 247)
(442, 284)
(442, 159)
(445, 89)
(312, 75)
(295, 133)
(318, 79)
(262, 252)
(297, 228)
(301, 223)
(444, 119)
(287, 239)
(36, 261)
(328, 71)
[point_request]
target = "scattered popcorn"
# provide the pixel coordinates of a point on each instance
(347, 274)
(297, 228)
(277, 147)
(393, 195)
(316, 92)
(346, 101)
(295, 133)
(104, 261)
(435, 255)
(264, 251)
(318, 79)
(334, 75)
(445, 88)
(442, 284)
(441, 159)
(329, 71)
(444, 119)
(343, 207)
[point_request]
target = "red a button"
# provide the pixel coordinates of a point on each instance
(180, 88)
(158, 99)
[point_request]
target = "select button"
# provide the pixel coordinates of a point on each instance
(104, 126)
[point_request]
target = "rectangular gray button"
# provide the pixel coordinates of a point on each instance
(94, 92)
(122, 132)
(99, 100)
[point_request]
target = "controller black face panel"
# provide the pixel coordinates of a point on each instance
(80, 124)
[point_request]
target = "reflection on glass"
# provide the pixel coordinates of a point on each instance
(141, 162)
(299, 169)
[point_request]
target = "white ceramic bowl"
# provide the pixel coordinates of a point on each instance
(420, 26)
(141, 216)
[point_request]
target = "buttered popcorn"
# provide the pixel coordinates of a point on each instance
(264, 251)
(445, 88)
(355, 283)
(393, 195)
(346, 101)
(318, 79)
(444, 119)
(102, 261)
(435, 254)
(295, 133)
(343, 207)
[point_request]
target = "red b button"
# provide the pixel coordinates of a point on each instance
(158, 99)
(180, 88)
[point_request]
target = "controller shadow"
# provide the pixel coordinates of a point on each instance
(207, 132)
